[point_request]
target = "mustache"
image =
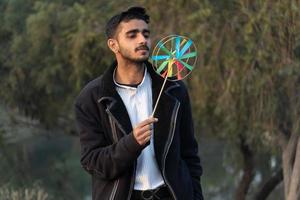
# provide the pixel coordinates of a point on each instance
(143, 47)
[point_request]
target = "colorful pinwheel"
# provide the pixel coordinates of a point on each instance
(174, 56)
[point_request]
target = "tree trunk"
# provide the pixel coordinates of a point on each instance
(247, 177)
(291, 168)
(269, 185)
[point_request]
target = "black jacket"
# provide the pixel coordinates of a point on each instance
(109, 150)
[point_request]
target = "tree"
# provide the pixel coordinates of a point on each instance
(48, 55)
(245, 88)
(250, 80)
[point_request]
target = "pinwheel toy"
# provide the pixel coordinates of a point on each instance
(173, 58)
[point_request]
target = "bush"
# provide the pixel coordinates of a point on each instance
(36, 193)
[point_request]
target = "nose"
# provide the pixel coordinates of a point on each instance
(142, 39)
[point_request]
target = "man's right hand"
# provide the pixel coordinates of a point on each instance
(142, 131)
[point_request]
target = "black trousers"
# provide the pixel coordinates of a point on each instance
(161, 193)
(164, 198)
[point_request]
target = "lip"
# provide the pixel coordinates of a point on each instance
(142, 50)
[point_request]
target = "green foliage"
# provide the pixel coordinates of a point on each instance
(54, 51)
(36, 193)
(246, 82)
(248, 57)
(49, 51)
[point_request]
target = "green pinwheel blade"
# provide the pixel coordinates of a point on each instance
(186, 65)
(188, 55)
(162, 66)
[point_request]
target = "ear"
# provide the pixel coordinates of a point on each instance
(113, 45)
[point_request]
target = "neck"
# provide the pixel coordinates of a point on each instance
(129, 72)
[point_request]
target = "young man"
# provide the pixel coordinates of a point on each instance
(130, 155)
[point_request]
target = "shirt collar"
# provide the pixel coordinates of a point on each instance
(129, 87)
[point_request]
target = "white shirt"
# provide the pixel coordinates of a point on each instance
(138, 102)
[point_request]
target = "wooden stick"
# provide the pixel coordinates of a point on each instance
(152, 115)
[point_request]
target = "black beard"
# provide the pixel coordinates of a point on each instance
(138, 60)
(135, 60)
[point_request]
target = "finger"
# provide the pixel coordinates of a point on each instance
(140, 131)
(144, 135)
(147, 121)
(147, 134)
(147, 139)
(144, 138)
(145, 128)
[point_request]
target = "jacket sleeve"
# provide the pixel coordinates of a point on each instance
(189, 147)
(98, 156)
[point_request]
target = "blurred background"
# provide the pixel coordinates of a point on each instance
(244, 92)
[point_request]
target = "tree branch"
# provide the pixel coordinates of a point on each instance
(270, 185)
(295, 178)
(247, 169)
(288, 157)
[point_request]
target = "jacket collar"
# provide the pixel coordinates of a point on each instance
(109, 96)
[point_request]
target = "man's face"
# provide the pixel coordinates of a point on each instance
(133, 38)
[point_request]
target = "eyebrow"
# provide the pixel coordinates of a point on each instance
(137, 30)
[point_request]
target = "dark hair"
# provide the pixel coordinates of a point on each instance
(131, 13)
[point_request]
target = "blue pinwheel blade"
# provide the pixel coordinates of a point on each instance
(177, 46)
(185, 48)
(160, 57)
